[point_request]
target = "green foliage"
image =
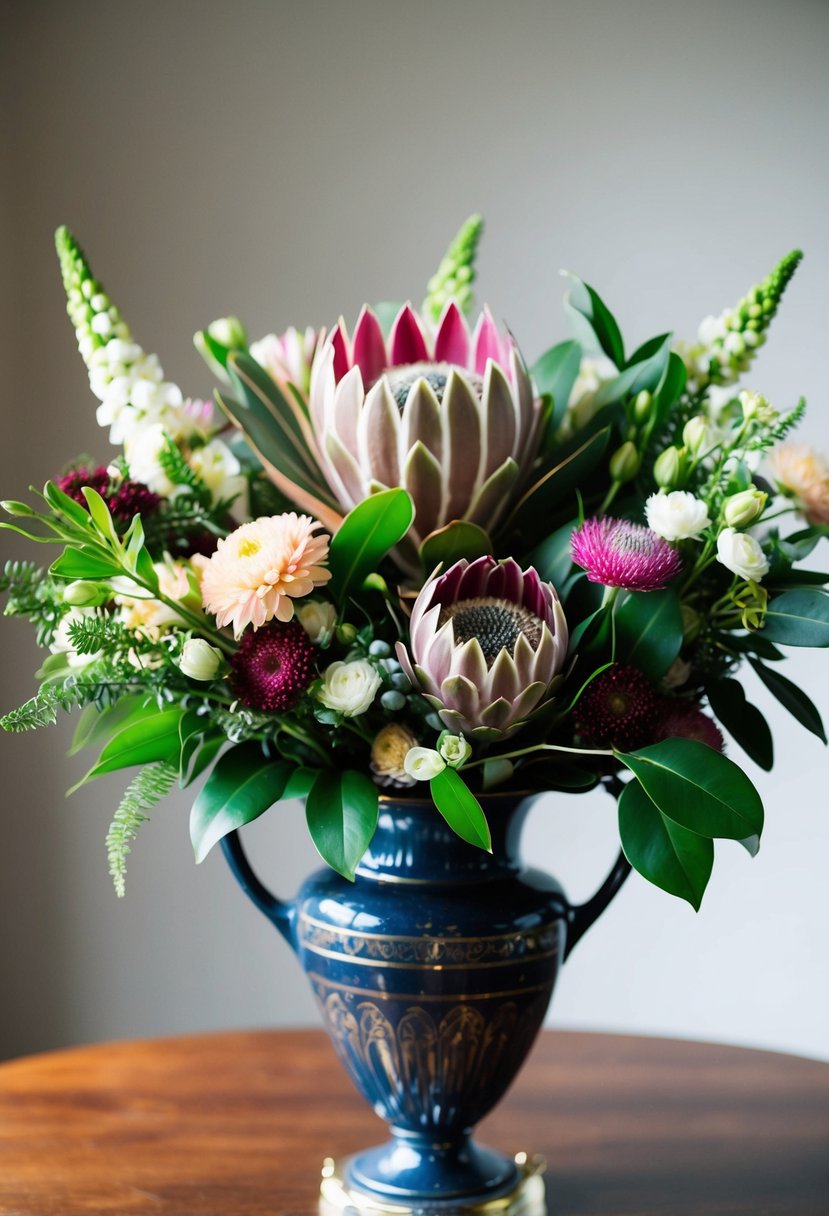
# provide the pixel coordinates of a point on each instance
(668, 855)
(367, 534)
(151, 735)
(146, 790)
(455, 540)
(798, 618)
(555, 374)
(40, 710)
(554, 488)
(31, 593)
(594, 324)
(244, 783)
(792, 698)
(742, 720)
(341, 812)
(460, 808)
(649, 631)
(180, 474)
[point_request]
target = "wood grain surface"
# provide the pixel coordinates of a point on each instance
(237, 1124)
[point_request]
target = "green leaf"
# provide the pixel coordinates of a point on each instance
(649, 631)
(95, 725)
(243, 785)
(63, 505)
(594, 324)
(742, 720)
(646, 373)
(698, 788)
(555, 374)
(530, 516)
(792, 698)
(341, 811)
(798, 618)
(455, 540)
(669, 390)
(84, 562)
(552, 557)
(668, 855)
(206, 751)
(460, 808)
(100, 515)
(154, 735)
(367, 533)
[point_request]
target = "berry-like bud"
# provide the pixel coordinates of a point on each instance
(642, 403)
(625, 462)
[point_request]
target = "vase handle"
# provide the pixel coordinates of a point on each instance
(276, 910)
(581, 916)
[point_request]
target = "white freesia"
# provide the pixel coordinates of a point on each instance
(678, 515)
(318, 619)
(349, 687)
(199, 660)
(741, 554)
(423, 763)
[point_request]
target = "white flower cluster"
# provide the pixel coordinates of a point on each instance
(723, 350)
(132, 390)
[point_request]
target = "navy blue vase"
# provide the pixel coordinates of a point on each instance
(433, 972)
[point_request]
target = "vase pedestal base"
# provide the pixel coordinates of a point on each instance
(525, 1197)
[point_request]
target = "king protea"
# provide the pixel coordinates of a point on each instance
(450, 419)
(487, 643)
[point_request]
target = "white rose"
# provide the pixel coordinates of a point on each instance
(317, 619)
(199, 660)
(741, 554)
(423, 763)
(350, 688)
(676, 516)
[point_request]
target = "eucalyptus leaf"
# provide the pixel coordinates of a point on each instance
(367, 534)
(792, 698)
(460, 808)
(798, 618)
(742, 720)
(698, 788)
(243, 785)
(341, 811)
(668, 855)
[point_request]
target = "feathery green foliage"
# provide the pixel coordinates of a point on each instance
(33, 594)
(180, 474)
(146, 790)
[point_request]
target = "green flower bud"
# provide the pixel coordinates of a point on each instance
(345, 633)
(230, 332)
(668, 467)
(642, 403)
(85, 594)
(696, 435)
(625, 462)
(199, 660)
(742, 509)
(20, 509)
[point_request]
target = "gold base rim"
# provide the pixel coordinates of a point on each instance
(527, 1197)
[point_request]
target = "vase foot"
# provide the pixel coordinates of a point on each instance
(524, 1196)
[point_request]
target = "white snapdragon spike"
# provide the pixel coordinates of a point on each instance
(350, 687)
(677, 515)
(741, 554)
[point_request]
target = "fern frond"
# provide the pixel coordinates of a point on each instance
(179, 472)
(144, 792)
(39, 710)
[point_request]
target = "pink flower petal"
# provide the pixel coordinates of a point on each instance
(369, 347)
(488, 343)
(408, 344)
(339, 341)
(452, 341)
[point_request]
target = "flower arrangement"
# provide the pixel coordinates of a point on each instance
(402, 559)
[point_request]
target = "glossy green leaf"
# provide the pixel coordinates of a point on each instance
(742, 720)
(644, 374)
(668, 855)
(96, 725)
(698, 788)
(62, 504)
(243, 784)
(457, 539)
(206, 751)
(460, 808)
(649, 631)
(594, 325)
(143, 738)
(669, 389)
(529, 520)
(755, 643)
(100, 515)
(792, 698)
(798, 618)
(555, 374)
(84, 562)
(367, 534)
(341, 811)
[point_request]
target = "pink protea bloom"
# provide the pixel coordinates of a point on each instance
(260, 569)
(617, 553)
(487, 642)
(450, 419)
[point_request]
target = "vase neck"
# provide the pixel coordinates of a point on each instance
(413, 842)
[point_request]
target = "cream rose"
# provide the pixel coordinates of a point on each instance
(350, 687)
(677, 515)
(741, 554)
(199, 660)
(317, 619)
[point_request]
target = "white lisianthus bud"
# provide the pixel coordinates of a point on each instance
(229, 331)
(423, 763)
(199, 660)
(742, 509)
(625, 462)
(676, 516)
(318, 619)
(454, 749)
(667, 468)
(85, 594)
(349, 687)
(642, 404)
(697, 435)
(755, 405)
(741, 554)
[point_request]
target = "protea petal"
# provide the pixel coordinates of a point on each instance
(496, 715)
(469, 662)
(459, 694)
(452, 341)
(462, 440)
(422, 478)
(342, 356)
(488, 504)
(369, 346)
(421, 421)
(346, 470)
(348, 402)
(501, 418)
(487, 343)
(407, 343)
(502, 678)
(378, 436)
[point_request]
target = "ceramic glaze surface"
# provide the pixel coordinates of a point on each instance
(433, 972)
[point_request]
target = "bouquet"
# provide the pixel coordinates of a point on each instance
(400, 560)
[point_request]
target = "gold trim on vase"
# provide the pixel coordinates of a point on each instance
(448, 998)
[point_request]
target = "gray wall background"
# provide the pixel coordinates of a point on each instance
(287, 162)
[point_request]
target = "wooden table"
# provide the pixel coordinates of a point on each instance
(237, 1125)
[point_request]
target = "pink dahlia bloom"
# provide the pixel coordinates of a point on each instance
(272, 668)
(487, 642)
(617, 553)
(260, 569)
(451, 419)
(685, 720)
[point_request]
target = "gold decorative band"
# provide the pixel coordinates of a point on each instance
(448, 998)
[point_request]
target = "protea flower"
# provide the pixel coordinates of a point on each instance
(452, 420)
(487, 643)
